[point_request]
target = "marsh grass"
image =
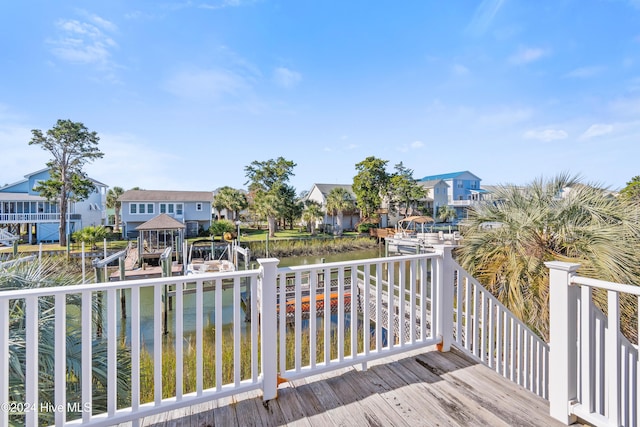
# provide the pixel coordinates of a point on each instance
(209, 360)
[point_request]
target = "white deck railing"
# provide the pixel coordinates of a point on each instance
(594, 368)
(428, 298)
(487, 330)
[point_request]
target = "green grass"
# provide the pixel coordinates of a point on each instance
(209, 360)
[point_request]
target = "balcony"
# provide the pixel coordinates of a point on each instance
(388, 341)
(32, 218)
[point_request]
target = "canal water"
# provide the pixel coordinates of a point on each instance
(147, 303)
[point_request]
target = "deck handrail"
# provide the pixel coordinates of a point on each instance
(423, 296)
(594, 367)
(488, 331)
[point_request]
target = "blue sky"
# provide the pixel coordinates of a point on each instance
(185, 94)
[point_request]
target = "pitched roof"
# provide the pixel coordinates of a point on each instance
(161, 222)
(166, 196)
(432, 183)
(450, 175)
(325, 189)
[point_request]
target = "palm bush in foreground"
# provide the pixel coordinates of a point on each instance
(559, 219)
(48, 273)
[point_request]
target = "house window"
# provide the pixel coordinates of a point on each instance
(198, 206)
(141, 208)
(150, 208)
(170, 206)
(163, 208)
(178, 208)
(133, 208)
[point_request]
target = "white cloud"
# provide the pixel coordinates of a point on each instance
(596, 130)
(83, 42)
(286, 78)
(415, 145)
(25, 158)
(484, 15)
(527, 55)
(585, 72)
(206, 84)
(505, 117)
(460, 70)
(546, 135)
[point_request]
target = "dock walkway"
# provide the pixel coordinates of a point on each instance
(420, 388)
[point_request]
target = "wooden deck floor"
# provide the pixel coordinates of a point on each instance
(425, 388)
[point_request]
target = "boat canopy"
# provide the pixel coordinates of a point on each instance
(416, 223)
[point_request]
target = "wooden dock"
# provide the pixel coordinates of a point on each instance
(421, 388)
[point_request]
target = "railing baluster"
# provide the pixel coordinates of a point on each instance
(586, 348)
(298, 318)
(424, 286)
(112, 353)
(612, 358)
(313, 330)
(60, 358)
(327, 316)
(340, 309)
(366, 311)
(237, 342)
(354, 311)
(219, 328)
(179, 336)
(391, 312)
(87, 368)
(282, 324)
(412, 302)
(158, 306)
(4, 358)
(135, 348)
(252, 288)
(199, 335)
(379, 283)
(32, 371)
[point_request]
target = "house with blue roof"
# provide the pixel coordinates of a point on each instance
(463, 190)
(25, 214)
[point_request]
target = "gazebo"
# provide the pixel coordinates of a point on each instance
(157, 234)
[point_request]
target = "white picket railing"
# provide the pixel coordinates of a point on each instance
(423, 299)
(594, 368)
(487, 330)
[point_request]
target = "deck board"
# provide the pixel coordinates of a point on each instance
(424, 387)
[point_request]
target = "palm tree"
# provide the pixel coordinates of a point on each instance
(265, 206)
(54, 272)
(230, 199)
(339, 200)
(312, 212)
(113, 203)
(543, 222)
(90, 235)
(447, 213)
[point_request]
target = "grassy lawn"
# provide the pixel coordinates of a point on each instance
(247, 235)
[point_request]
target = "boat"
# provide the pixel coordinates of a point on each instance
(201, 258)
(305, 303)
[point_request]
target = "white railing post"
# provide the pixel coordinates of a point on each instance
(444, 295)
(563, 337)
(267, 290)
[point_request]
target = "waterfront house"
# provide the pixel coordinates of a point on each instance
(319, 193)
(464, 190)
(192, 208)
(25, 213)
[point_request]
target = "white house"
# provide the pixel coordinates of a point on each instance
(192, 208)
(319, 193)
(24, 212)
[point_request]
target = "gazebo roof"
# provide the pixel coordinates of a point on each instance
(161, 222)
